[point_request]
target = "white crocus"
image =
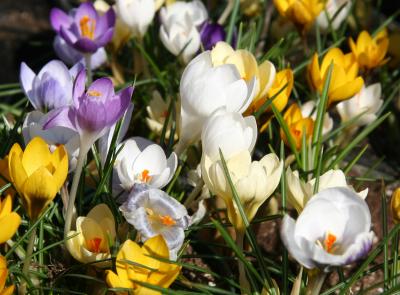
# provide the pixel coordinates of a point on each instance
(142, 162)
(137, 15)
(153, 212)
(179, 10)
(331, 10)
(300, 192)
(33, 127)
(204, 88)
(365, 104)
(334, 229)
(308, 109)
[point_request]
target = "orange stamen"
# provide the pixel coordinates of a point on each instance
(144, 176)
(330, 239)
(94, 245)
(87, 26)
(93, 93)
(167, 220)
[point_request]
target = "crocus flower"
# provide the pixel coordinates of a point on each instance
(37, 174)
(84, 29)
(93, 111)
(368, 101)
(332, 230)
(395, 205)
(33, 127)
(297, 125)
(3, 277)
(370, 51)
(211, 34)
(93, 237)
(135, 263)
(153, 212)
(344, 80)
(204, 88)
(333, 15)
(9, 221)
(142, 162)
(136, 15)
(52, 87)
(309, 109)
(71, 56)
(179, 10)
(300, 12)
(300, 192)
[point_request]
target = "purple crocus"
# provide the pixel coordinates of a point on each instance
(211, 34)
(52, 87)
(84, 29)
(93, 111)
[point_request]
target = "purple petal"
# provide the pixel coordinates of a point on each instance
(92, 115)
(64, 117)
(103, 88)
(79, 87)
(26, 78)
(105, 22)
(117, 106)
(211, 34)
(86, 9)
(69, 37)
(52, 94)
(74, 71)
(59, 18)
(58, 70)
(98, 58)
(105, 38)
(85, 45)
(66, 52)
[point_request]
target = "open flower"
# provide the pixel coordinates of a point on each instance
(93, 237)
(309, 109)
(344, 80)
(300, 192)
(33, 127)
(142, 162)
(93, 111)
(297, 125)
(153, 212)
(332, 230)
(301, 12)
(52, 87)
(37, 174)
(367, 102)
(84, 29)
(206, 87)
(333, 15)
(370, 51)
(143, 264)
(9, 222)
(3, 277)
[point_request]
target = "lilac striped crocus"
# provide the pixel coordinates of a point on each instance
(84, 28)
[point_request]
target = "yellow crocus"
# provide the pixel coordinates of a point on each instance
(3, 277)
(9, 221)
(297, 125)
(370, 51)
(135, 263)
(301, 12)
(5, 176)
(93, 236)
(247, 66)
(344, 83)
(37, 174)
(395, 205)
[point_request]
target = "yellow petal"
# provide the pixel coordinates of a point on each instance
(8, 226)
(363, 41)
(267, 74)
(115, 281)
(347, 90)
(315, 73)
(73, 245)
(130, 251)
(59, 160)
(8, 291)
(36, 155)
(220, 53)
(93, 235)
(17, 172)
(3, 272)
(104, 217)
(5, 206)
(155, 247)
(245, 62)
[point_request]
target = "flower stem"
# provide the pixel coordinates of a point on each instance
(27, 259)
(315, 283)
(244, 283)
(228, 9)
(195, 192)
(88, 64)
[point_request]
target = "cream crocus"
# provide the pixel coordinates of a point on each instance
(365, 103)
(370, 51)
(206, 87)
(309, 109)
(9, 220)
(93, 237)
(344, 82)
(334, 229)
(336, 12)
(300, 192)
(135, 264)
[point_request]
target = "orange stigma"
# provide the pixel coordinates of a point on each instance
(144, 176)
(94, 245)
(167, 220)
(94, 93)
(87, 26)
(330, 239)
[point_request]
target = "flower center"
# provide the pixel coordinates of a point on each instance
(93, 245)
(144, 176)
(329, 242)
(87, 26)
(166, 220)
(94, 93)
